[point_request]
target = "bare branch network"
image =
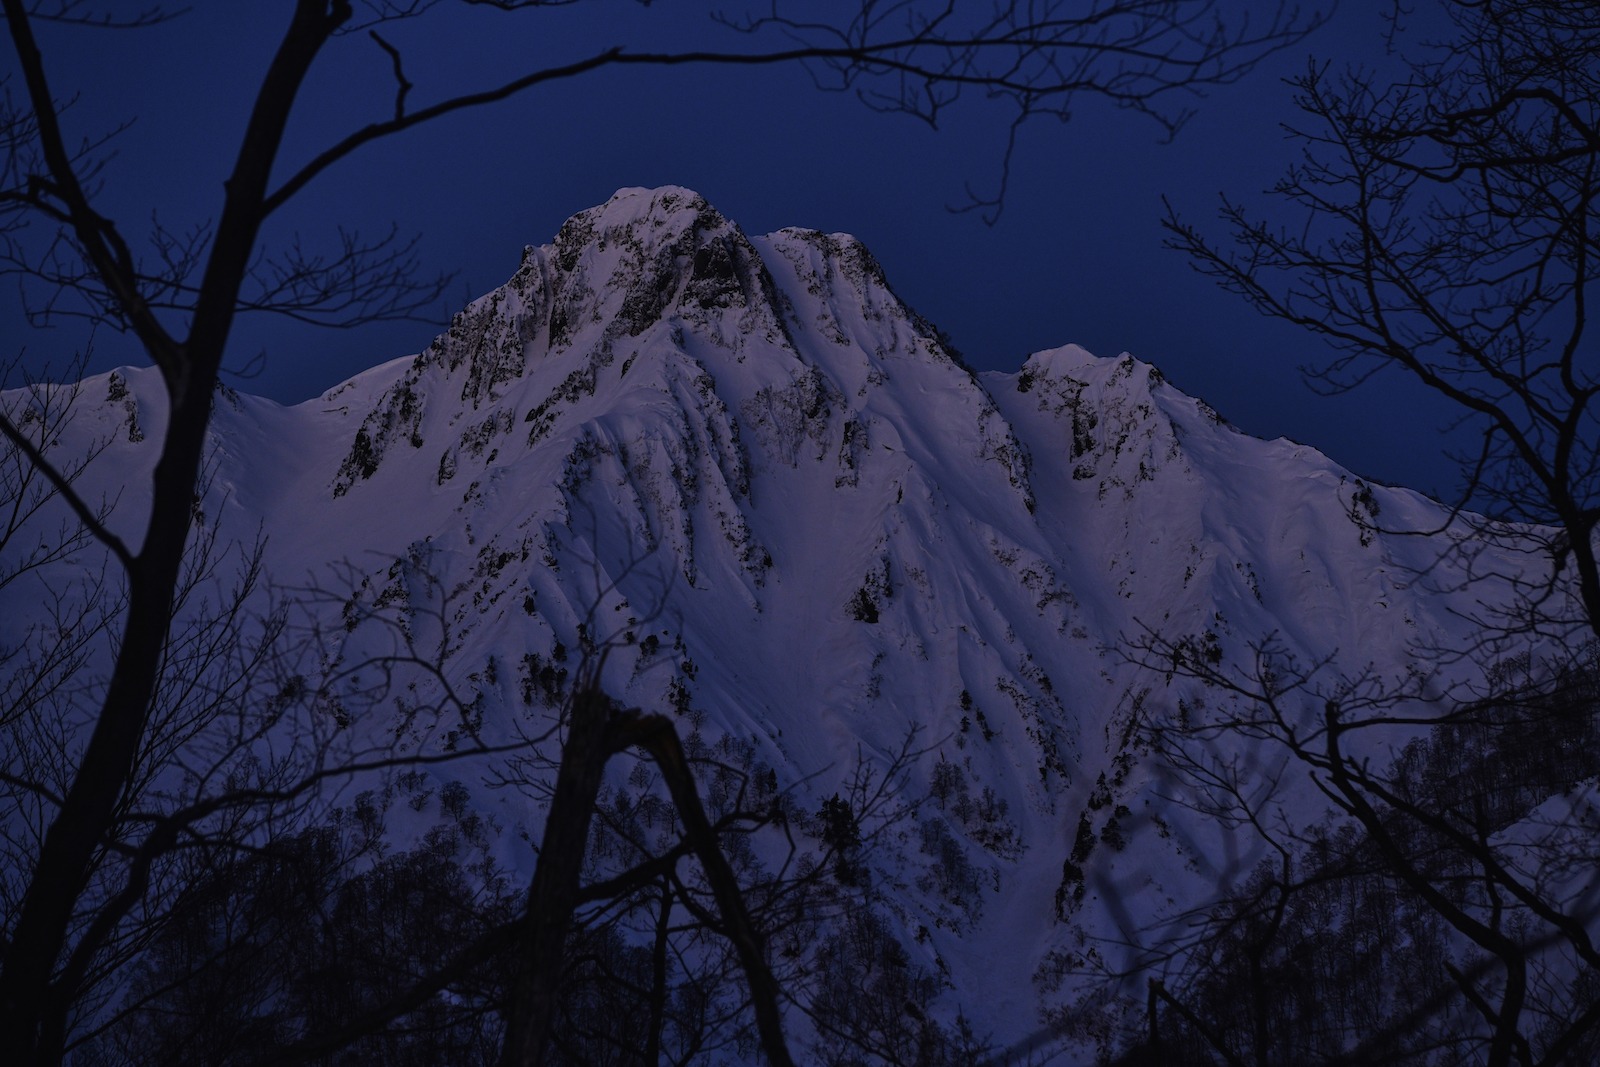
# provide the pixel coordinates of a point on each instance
(1444, 229)
(1449, 235)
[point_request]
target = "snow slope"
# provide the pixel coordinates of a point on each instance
(792, 509)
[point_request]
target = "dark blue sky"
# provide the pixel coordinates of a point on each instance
(1076, 256)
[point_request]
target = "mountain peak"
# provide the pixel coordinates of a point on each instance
(646, 254)
(663, 207)
(650, 277)
(765, 486)
(642, 219)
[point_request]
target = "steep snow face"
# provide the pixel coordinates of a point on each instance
(791, 513)
(752, 442)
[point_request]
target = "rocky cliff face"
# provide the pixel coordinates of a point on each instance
(797, 519)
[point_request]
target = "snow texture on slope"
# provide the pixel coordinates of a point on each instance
(795, 513)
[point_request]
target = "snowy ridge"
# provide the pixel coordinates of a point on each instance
(799, 514)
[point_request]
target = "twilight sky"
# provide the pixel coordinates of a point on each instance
(1077, 255)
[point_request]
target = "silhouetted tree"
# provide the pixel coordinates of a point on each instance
(1443, 910)
(1449, 234)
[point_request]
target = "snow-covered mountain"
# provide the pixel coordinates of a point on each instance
(791, 512)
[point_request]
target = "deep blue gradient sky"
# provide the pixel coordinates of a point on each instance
(1076, 257)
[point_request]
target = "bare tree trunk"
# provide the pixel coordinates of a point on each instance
(554, 892)
(656, 735)
(658, 977)
(32, 1012)
(593, 736)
